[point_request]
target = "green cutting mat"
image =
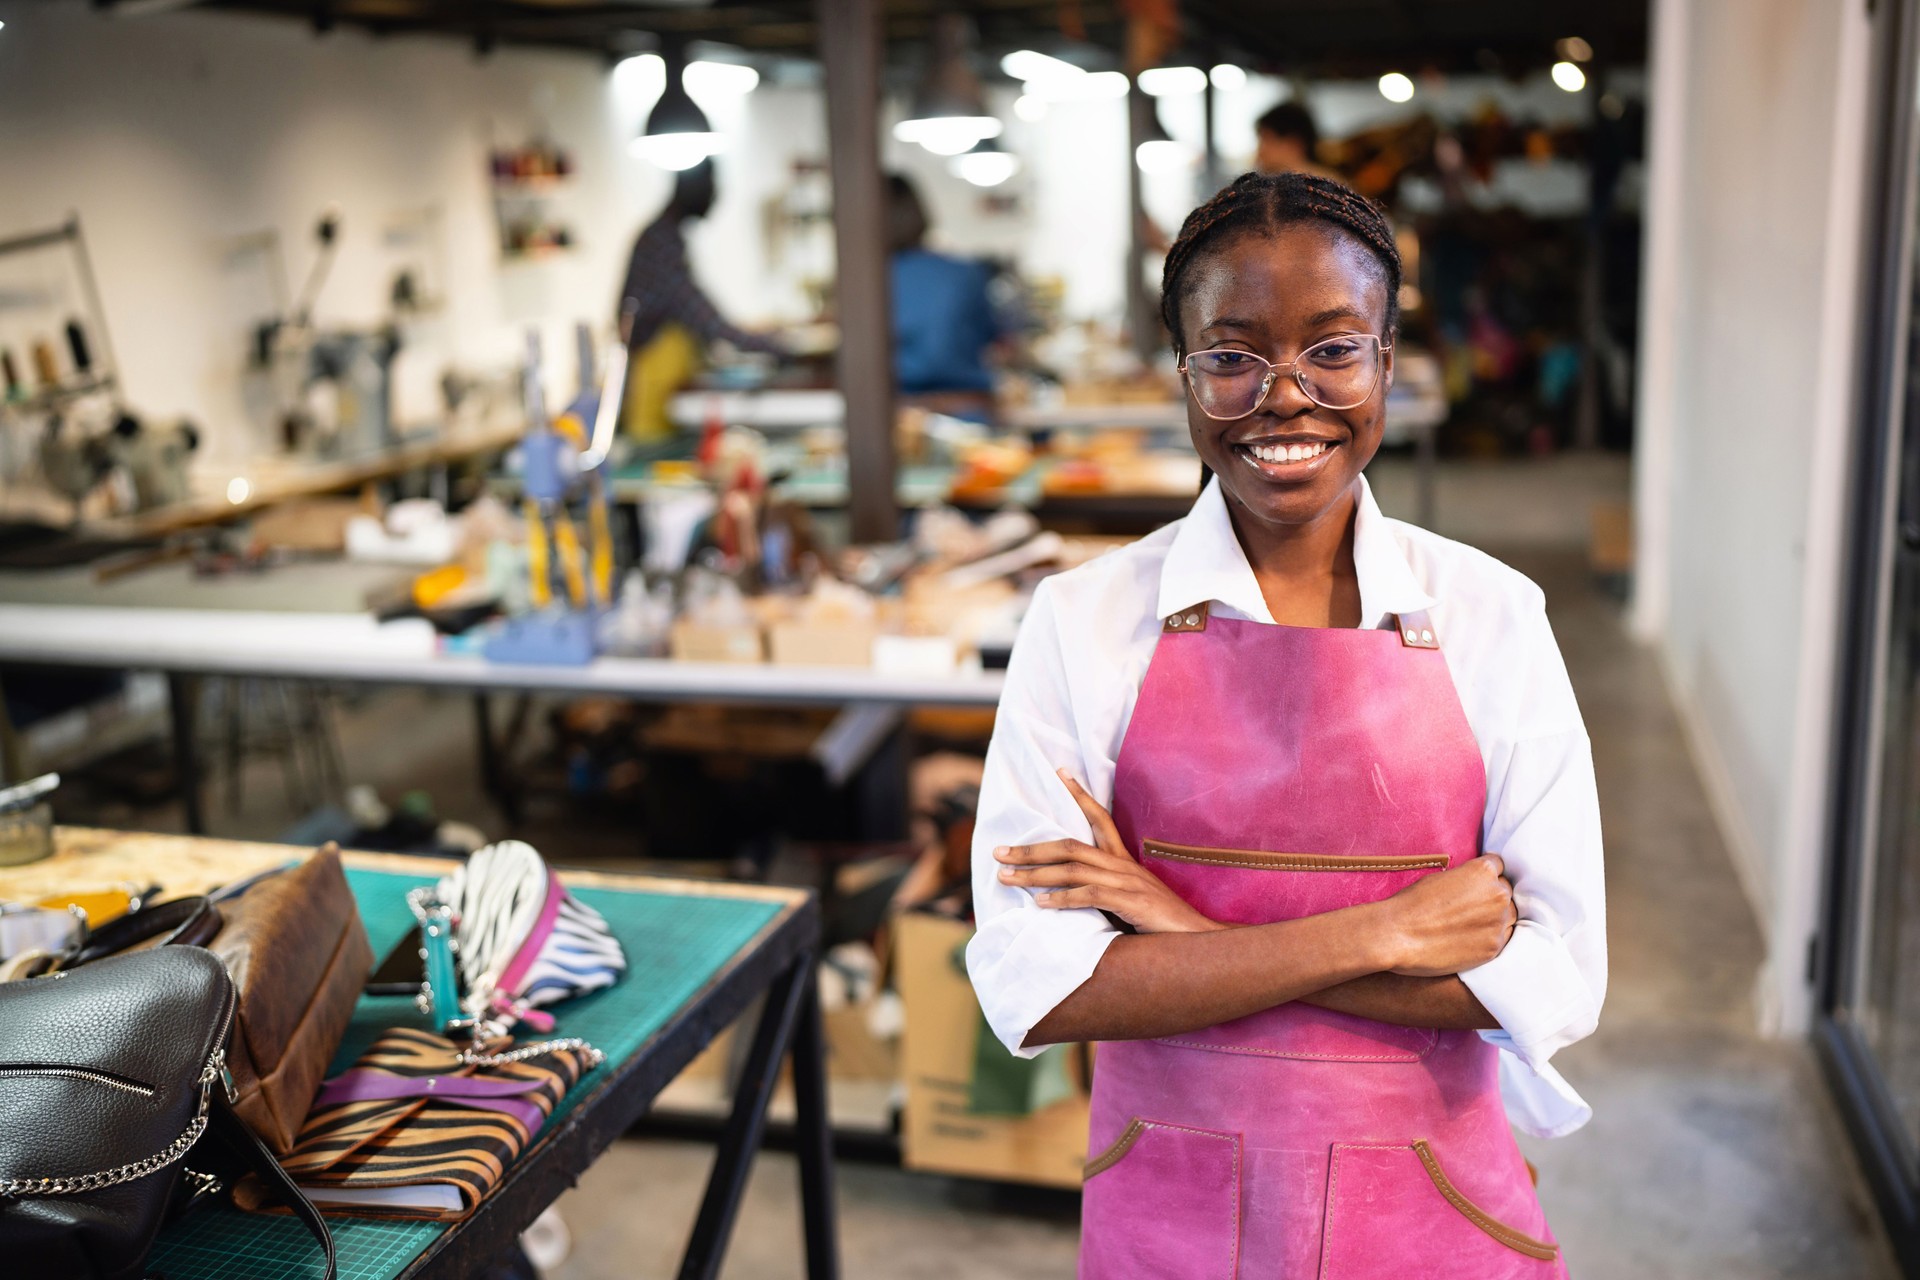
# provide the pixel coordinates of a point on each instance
(675, 944)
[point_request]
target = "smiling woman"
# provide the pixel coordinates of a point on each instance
(1266, 871)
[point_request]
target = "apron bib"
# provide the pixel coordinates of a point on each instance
(1270, 773)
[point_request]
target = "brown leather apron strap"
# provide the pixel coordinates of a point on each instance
(1193, 619)
(1416, 630)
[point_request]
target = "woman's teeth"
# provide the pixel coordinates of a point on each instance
(1287, 452)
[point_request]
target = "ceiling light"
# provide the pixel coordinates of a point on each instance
(1164, 82)
(720, 79)
(1569, 77)
(1039, 68)
(986, 165)
(948, 135)
(1395, 87)
(678, 134)
(1158, 153)
(1090, 85)
(949, 112)
(1574, 49)
(238, 490)
(1228, 78)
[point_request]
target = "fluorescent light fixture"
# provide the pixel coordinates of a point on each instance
(948, 135)
(1045, 78)
(1039, 68)
(986, 165)
(1395, 87)
(1569, 77)
(237, 490)
(1166, 82)
(1088, 86)
(1228, 78)
(719, 79)
(1030, 107)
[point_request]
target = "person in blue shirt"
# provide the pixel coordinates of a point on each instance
(944, 321)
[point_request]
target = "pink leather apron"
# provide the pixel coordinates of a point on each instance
(1271, 773)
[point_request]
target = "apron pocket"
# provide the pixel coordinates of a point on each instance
(1394, 1214)
(1309, 1034)
(1256, 886)
(1162, 1203)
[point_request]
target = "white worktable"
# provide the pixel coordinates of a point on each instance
(353, 647)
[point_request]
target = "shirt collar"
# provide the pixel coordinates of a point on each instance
(1205, 562)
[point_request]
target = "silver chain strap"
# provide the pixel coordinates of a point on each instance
(80, 1183)
(472, 1058)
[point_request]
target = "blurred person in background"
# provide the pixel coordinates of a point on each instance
(666, 320)
(945, 324)
(1287, 140)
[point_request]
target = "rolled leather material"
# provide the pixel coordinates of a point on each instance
(299, 956)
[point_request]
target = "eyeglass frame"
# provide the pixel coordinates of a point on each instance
(1382, 348)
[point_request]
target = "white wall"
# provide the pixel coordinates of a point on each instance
(173, 135)
(1749, 306)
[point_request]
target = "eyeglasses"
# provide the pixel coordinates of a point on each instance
(1338, 373)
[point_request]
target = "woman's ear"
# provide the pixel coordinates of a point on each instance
(1393, 339)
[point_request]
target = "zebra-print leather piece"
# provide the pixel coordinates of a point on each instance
(524, 940)
(465, 1142)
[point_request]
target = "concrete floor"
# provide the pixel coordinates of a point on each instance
(1712, 1153)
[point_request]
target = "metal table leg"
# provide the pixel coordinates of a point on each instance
(183, 708)
(747, 1125)
(813, 1136)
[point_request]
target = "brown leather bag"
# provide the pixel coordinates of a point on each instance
(299, 957)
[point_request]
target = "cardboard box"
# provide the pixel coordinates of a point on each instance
(695, 642)
(840, 644)
(940, 1134)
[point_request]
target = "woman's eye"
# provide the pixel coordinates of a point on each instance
(1228, 361)
(1336, 353)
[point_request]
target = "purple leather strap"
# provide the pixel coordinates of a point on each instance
(467, 1091)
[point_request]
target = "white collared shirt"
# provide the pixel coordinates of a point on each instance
(1076, 670)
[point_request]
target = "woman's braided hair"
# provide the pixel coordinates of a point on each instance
(1267, 202)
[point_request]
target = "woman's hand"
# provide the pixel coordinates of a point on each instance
(1451, 920)
(1069, 873)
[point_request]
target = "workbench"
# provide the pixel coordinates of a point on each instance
(699, 955)
(186, 644)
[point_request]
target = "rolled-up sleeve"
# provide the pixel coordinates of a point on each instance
(1024, 960)
(1543, 818)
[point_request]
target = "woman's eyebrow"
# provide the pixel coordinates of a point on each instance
(1319, 318)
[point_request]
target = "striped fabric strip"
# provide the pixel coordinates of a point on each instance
(409, 1141)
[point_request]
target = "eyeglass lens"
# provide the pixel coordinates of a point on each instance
(1336, 374)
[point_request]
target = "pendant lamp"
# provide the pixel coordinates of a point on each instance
(986, 165)
(1158, 152)
(678, 134)
(949, 112)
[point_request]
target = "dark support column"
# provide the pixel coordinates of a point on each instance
(850, 52)
(1142, 325)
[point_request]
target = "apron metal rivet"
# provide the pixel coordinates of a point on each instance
(1411, 637)
(1193, 620)
(1426, 637)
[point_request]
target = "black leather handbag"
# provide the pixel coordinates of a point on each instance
(112, 1076)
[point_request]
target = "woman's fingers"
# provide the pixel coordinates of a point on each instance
(1048, 851)
(1057, 875)
(1105, 833)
